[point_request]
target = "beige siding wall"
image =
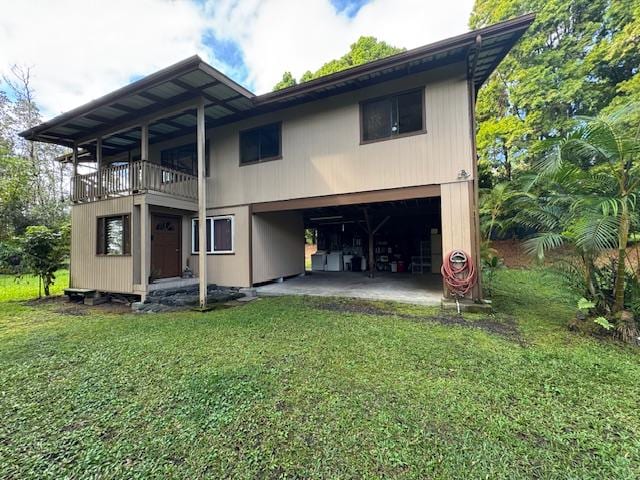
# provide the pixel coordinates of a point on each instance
(456, 217)
(88, 270)
(321, 147)
(322, 154)
(278, 245)
(458, 229)
(229, 270)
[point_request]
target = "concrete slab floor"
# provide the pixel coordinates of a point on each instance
(419, 289)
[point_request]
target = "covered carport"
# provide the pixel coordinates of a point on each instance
(380, 250)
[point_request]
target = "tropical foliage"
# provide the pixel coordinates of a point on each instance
(584, 197)
(578, 58)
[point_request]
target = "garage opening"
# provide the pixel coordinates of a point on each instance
(381, 251)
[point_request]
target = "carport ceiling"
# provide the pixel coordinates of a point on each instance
(317, 217)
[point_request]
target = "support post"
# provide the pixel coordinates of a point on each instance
(202, 205)
(75, 159)
(144, 156)
(74, 184)
(99, 165)
(145, 246)
(371, 259)
(144, 142)
(371, 231)
(475, 197)
(74, 196)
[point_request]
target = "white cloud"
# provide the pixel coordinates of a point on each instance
(295, 35)
(80, 50)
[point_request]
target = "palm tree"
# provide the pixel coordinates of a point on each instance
(602, 159)
(496, 204)
(552, 212)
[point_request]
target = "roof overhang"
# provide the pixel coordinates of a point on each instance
(167, 98)
(179, 85)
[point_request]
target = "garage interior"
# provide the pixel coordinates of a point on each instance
(406, 245)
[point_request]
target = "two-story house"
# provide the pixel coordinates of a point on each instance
(187, 170)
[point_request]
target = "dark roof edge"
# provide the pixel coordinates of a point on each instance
(183, 66)
(519, 23)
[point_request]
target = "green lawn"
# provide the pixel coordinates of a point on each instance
(294, 388)
(26, 287)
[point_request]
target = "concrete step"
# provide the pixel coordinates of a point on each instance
(248, 292)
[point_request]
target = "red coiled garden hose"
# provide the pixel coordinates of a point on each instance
(459, 273)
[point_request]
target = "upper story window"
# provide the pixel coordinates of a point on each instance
(261, 144)
(114, 237)
(184, 158)
(392, 116)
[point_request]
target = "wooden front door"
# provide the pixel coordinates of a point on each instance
(166, 246)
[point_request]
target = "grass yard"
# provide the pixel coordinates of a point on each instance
(316, 388)
(26, 287)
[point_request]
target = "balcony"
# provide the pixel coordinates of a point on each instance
(130, 179)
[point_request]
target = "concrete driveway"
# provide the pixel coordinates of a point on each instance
(400, 287)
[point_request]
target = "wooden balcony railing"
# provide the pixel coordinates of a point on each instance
(132, 178)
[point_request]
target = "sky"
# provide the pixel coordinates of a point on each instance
(79, 50)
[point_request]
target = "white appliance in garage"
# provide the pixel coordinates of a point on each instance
(334, 262)
(318, 262)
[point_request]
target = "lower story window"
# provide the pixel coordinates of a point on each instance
(220, 234)
(113, 235)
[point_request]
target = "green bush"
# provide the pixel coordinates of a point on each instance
(11, 257)
(44, 252)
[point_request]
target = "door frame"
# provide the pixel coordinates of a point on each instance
(179, 251)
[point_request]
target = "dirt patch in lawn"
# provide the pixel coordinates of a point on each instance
(506, 328)
(60, 304)
(513, 255)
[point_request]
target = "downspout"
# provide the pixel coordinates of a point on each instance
(478, 47)
(477, 294)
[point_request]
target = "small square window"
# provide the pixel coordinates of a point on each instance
(113, 235)
(392, 116)
(261, 144)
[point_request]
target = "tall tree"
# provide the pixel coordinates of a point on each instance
(47, 181)
(577, 56)
(621, 53)
(15, 194)
(288, 80)
(366, 49)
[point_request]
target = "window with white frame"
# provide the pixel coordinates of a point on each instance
(220, 234)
